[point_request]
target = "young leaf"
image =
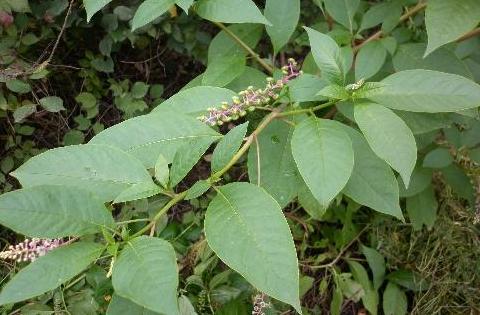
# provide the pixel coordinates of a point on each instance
(394, 300)
(149, 10)
(284, 16)
(328, 56)
(388, 136)
(305, 88)
(121, 306)
(198, 189)
(184, 4)
(343, 11)
(53, 212)
(223, 70)
(376, 262)
(162, 172)
(138, 191)
(230, 11)
(370, 60)
(447, 20)
(162, 132)
(146, 273)
(103, 170)
(93, 6)
(195, 101)
(372, 182)
(186, 158)
(246, 228)
(324, 156)
(273, 163)
(422, 209)
(427, 91)
(53, 104)
(50, 271)
(228, 146)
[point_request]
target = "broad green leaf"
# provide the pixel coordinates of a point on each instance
(408, 279)
(138, 191)
(23, 112)
(162, 132)
(195, 101)
(162, 172)
(139, 89)
(103, 170)
(447, 20)
(223, 70)
(309, 203)
(18, 86)
(185, 306)
(343, 11)
(249, 77)
(394, 300)
(438, 158)
(337, 301)
(421, 123)
(410, 56)
(306, 87)
(372, 182)
(334, 91)
(284, 15)
(370, 60)
(379, 13)
(324, 156)
(421, 178)
(93, 6)
(246, 228)
(121, 306)
(149, 10)
(278, 175)
(228, 146)
(459, 181)
(186, 157)
(370, 298)
(328, 56)
(53, 212)
(50, 271)
(198, 189)
(427, 91)
(388, 136)
(184, 4)
(146, 273)
(230, 11)
(53, 104)
(376, 262)
(422, 209)
(224, 45)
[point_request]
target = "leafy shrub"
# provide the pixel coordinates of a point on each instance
(383, 113)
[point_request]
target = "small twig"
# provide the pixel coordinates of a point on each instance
(472, 33)
(258, 161)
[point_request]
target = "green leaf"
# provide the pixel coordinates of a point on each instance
(328, 56)
(408, 279)
(139, 89)
(149, 10)
(421, 178)
(184, 4)
(278, 174)
(394, 300)
(23, 112)
(376, 262)
(121, 306)
(185, 306)
(249, 77)
(146, 273)
(162, 172)
(53, 212)
(18, 5)
(87, 100)
(224, 45)
(388, 136)
(138, 191)
(370, 60)
(93, 6)
(379, 13)
(422, 209)
(53, 104)
(230, 11)
(343, 11)
(195, 101)
(459, 181)
(228, 146)
(427, 91)
(370, 298)
(223, 70)
(162, 132)
(103, 170)
(186, 158)
(50, 271)
(324, 156)
(421, 123)
(309, 203)
(447, 20)
(438, 158)
(284, 16)
(305, 88)
(372, 182)
(334, 91)
(246, 228)
(198, 189)
(18, 86)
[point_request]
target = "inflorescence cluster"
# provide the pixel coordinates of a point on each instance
(30, 249)
(248, 99)
(259, 304)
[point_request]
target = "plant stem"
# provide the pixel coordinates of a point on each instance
(409, 12)
(306, 110)
(265, 65)
(472, 33)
